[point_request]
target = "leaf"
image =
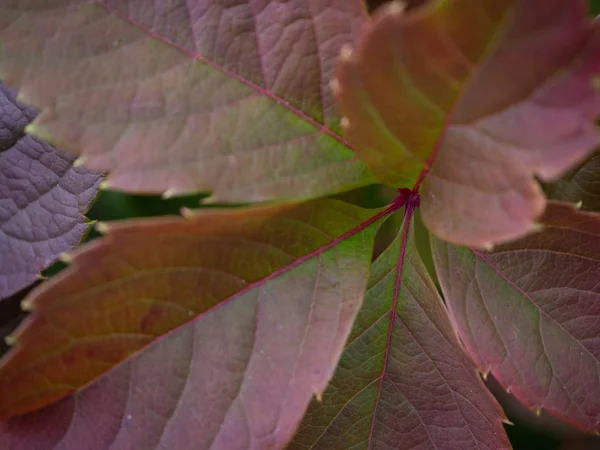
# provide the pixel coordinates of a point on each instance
(43, 199)
(478, 96)
(185, 96)
(403, 382)
(218, 329)
(582, 184)
(529, 312)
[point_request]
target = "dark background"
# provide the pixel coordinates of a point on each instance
(529, 431)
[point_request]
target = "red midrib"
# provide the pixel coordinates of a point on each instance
(410, 208)
(259, 89)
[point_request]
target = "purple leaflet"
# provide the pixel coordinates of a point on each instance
(42, 198)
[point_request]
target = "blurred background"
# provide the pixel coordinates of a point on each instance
(529, 431)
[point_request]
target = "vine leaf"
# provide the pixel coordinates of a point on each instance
(244, 312)
(479, 96)
(43, 198)
(403, 381)
(530, 312)
(186, 96)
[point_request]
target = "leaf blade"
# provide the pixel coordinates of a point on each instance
(215, 101)
(396, 366)
(265, 337)
(531, 310)
(43, 198)
(460, 105)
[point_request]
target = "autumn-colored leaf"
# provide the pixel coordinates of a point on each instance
(403, 381)
(42, 198)
(479, 96)
(581, 184)
(184, 96)
(228, 322)
(530, 312)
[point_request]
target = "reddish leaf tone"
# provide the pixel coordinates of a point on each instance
(238, 318)
(403, 382)
(580, 185)
(530, 313)
(42, 198)
(479, 96)
(181, 96)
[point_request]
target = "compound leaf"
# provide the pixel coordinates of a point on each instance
(479, 96)
(218, 328)
(529, 312)
(182, 96)
(43, 198)
(403, 381)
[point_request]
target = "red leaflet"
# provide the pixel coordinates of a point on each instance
(479, 96)
(185, 96)
(227, 321)
(529, 312)
(403, 382)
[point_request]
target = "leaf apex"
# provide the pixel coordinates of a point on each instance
(396, 7)
(537, 227)
(41, 276)
(102, 227)
(172, 192)
(538, 411)
(487, 246)
(578, 205)
(335, 86)
(210, 200)
(186, 212)
(507, 422)
(79, 162)
(319, 396)
(10, 340)
(105, 185)
(30, 129)
(485, 374)
(27, 305)
(346, 53)
(65, 258)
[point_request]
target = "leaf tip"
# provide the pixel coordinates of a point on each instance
(172, 192)
(105, 185)
(27, 305)
(537, 227)
(186, 212)
(507, 422)
(485, 374)
(487, 246)
(65, 258)
(578, 205)
(102, 227)
(210, 200)
(30, 129)
(396, 7)
(41, 276)
(335, 86)
(79, 162)
(538, 411)
(10, 340)
(346, 52)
